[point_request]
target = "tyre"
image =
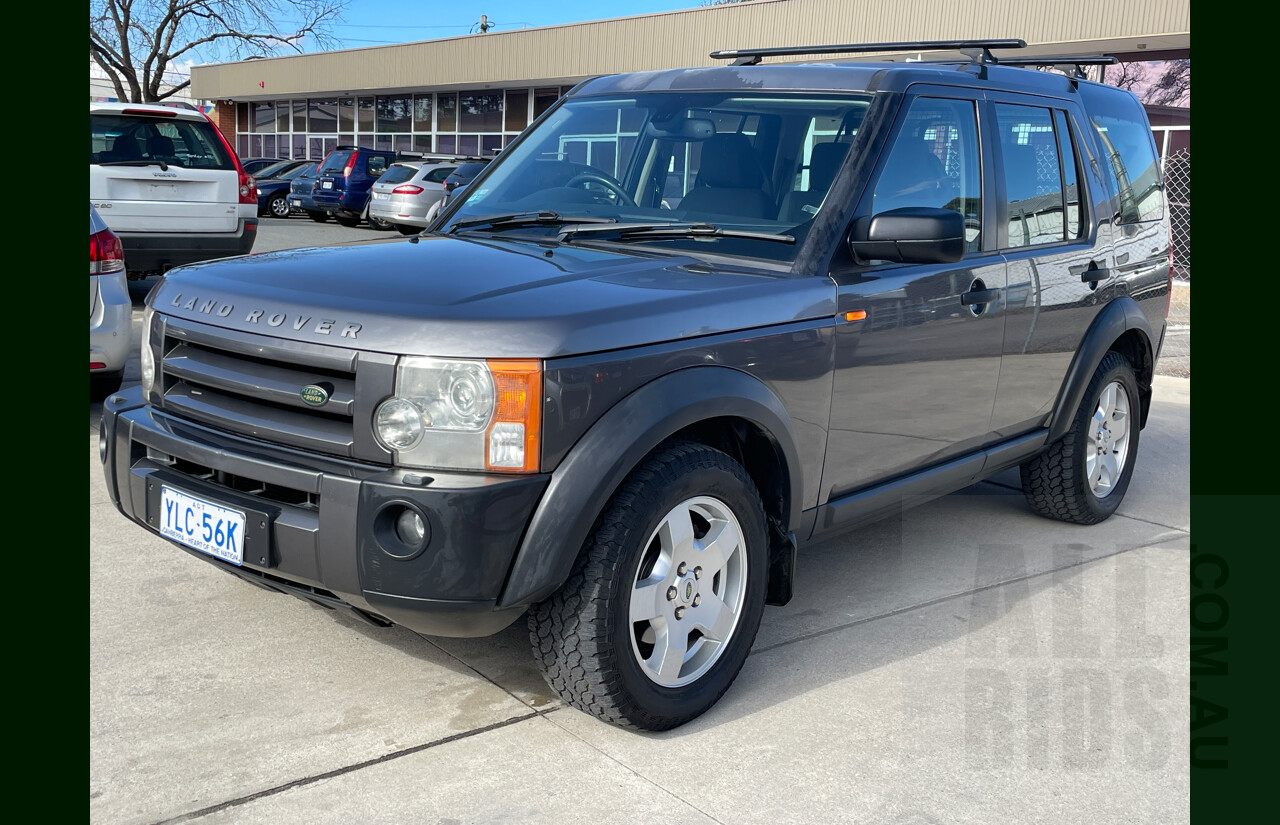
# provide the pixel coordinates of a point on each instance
(379, 224)
(663, 604)
(318, 217)
(408, 230)
(102, 384)
(346, 221)
(278, 207)
(1083, 477)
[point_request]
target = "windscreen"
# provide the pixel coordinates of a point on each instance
(126, 139)
(753, 162)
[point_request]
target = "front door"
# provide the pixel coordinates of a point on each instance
(918, 345)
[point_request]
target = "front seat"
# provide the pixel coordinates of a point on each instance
(824, 162)
(159, 146)
(729, 181)
(914, 176)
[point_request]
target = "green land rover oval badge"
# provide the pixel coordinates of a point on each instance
(313, 395)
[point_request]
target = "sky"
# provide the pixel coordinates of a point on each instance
(370, 22)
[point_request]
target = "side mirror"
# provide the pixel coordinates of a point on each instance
(911, 235)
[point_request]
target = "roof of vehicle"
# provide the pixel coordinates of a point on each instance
(147, 109)
(831, 77)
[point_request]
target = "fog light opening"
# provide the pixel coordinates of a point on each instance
(401, 530)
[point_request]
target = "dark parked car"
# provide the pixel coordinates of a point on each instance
(464, 174)
(253, 165)
(344, 181)
(273, 186)
(300, 189)
(613, 397)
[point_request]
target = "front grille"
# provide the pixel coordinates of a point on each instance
(251, 385)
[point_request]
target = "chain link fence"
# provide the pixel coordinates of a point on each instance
(1175, 357)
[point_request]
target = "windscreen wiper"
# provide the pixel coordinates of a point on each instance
(544, 218)
(643, 231)
(164, 167)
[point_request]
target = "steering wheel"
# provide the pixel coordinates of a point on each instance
(620, 194)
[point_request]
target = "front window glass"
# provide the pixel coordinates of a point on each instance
(934, 163)
(744, 162)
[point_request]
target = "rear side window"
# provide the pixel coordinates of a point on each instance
(468, 170)
(135, 140)
(375, 165)
(438, 175)
(398, 173)
(1042, 200)
(1130, 150)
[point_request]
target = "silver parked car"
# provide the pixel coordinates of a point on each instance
(110, 309)
(406, 193)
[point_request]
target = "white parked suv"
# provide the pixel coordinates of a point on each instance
(169, 185)
(110, 310)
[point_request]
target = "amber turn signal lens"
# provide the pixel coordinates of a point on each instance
(513, 440)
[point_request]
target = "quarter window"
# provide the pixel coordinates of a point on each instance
(934, 163)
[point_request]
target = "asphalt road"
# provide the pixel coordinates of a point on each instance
(964, 662)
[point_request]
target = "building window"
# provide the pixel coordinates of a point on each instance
(517, 110)
(323, 115)
(395, 114)
(544, 99)
(282, 115)
(347, 114)
(300, 116)
(447, 113)
(422, 111)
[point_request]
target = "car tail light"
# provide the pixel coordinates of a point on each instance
(351, 163)
(106, 253)
(450, 185)
(248, 187)
(407, 189)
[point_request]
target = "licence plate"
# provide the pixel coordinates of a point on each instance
(326, 184)
(294, 202)
(380, 196)
(202, 525)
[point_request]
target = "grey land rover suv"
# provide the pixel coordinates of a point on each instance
(767, 304)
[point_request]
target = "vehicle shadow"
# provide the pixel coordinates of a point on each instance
(891, 591)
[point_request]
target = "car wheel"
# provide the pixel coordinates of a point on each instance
(318, 217)
(102, 384)
(278, 207)
(408, 230)
(1083, 477)
(663, 604)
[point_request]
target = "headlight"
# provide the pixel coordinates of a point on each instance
(147, 356)
(467, 415)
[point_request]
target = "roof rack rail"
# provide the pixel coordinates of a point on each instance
(1078, 62)
(980, 50)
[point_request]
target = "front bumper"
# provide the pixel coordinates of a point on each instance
(160, 251)
(312, 526)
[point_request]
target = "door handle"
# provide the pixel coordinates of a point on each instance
(979, 296)
(1095, 273)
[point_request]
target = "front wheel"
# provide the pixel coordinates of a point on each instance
(1083, 477)
(278, 207)
(661, 609)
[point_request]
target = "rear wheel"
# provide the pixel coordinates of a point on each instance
(278, 207)
(318, 217)
(661, 609)
(1083, 477)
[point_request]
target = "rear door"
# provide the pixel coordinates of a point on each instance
(161, 173)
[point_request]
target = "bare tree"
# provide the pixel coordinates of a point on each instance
(1173, 86)
(137, 41)
(1129, 76)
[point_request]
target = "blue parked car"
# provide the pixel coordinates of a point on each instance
(300, 193)
(273, 186)
(345, 180)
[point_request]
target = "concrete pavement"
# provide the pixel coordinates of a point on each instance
(965, 662)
